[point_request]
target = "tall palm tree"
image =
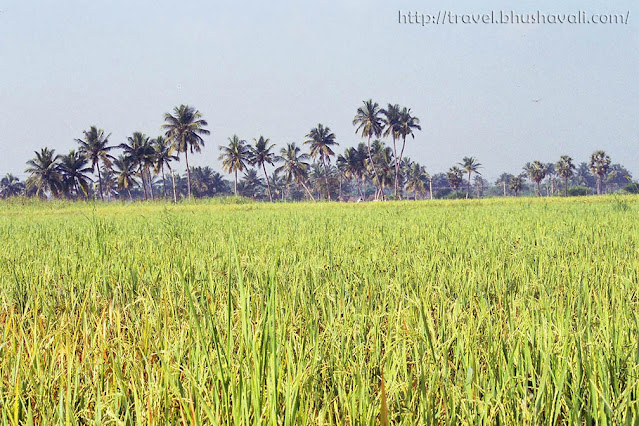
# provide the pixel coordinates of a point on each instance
(45, 174)
(536, 172)
(95, 147)
(234, 157)
(141, 152)
(393, 129)
(163, 157)
(125, 172)
(370, 124)
(185, 128)
(260, 155)
(566, 169)
(10, 186)
(407, 124)
(599, 165)
(295, 168)
(321, 139)
(470, 166)
(73, 168)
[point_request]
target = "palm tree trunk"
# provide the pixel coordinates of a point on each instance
(100, 182)
(236, 182)
(430, 186)
(163, 182)
(307, 190)
(468, 186)
(188, 174)
(565, 186)
(396, 168)
(328, 189)
(370, 158)
(401, 154)
(538, 188)
(150, 184)
(268, 184)
(130, 196)
(146, 197)
(173, 180)
(598, 184)
(504, 188)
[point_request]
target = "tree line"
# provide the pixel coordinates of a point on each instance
(375, 169)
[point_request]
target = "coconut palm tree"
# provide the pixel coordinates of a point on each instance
(565, 169)
(470, 166)
(185, 128)
(163, 157)
(10, 186)
(393, 129)
(73, 168)
(369, 124)
(251, 184)
(321, 139)
(599, 165)
(416, 178)
(455, 177)
(516, 184)
(260, 155)
(536, 172)
(407, 124)
(504, 180)
(349, 165)
(235, 157)
(45, 174)
(125, 174)
(95, 147)
(141, 152)
(295, 166)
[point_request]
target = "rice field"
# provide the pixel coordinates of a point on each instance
(505, 311)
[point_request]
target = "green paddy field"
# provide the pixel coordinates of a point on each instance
(504, 311)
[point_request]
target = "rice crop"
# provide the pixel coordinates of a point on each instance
(518, 311)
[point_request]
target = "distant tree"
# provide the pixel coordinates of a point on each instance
(584, 177)
(207, 182)
(125, 174)
(470, 165)
(163, 151)
(416, 178)
(95, 147)
(599, 165)
(184, 129)
(294, 167)
(350, 164)
(618, 176)
(455, 177)
(516, 184)
(44, 173)
(479, 183)
(406, 126)
(504, 181)
(536, 172)
(565, 169)
(73, 168)
(10, 186)
(392, 128)
(369, 124)
(140, 151)
(260, 155)
(235, 157)
(251, 184)
(321, 141)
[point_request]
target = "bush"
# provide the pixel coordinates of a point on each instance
(631, 188)
(579, 191)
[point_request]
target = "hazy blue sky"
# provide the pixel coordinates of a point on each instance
(278, 69)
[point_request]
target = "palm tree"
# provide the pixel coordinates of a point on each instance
(163, 157)
(536, 172)
(407, 124)
(416, 177)
(350, 165)
(250, 183)
(455, 177)
(566, 169)
(95, 147)
(185, 128)
(45, 174)
(10, 186)
(470, 166)
(109, 181)
(234, 157)
(125, 172)
(321, 139)
(207, 182)
(295, 168)
(260, 154)
(393, 129)
(73, 168)
(141, 152)
(370, 124)
(599, 165)
(516, 184)
(504, 180)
